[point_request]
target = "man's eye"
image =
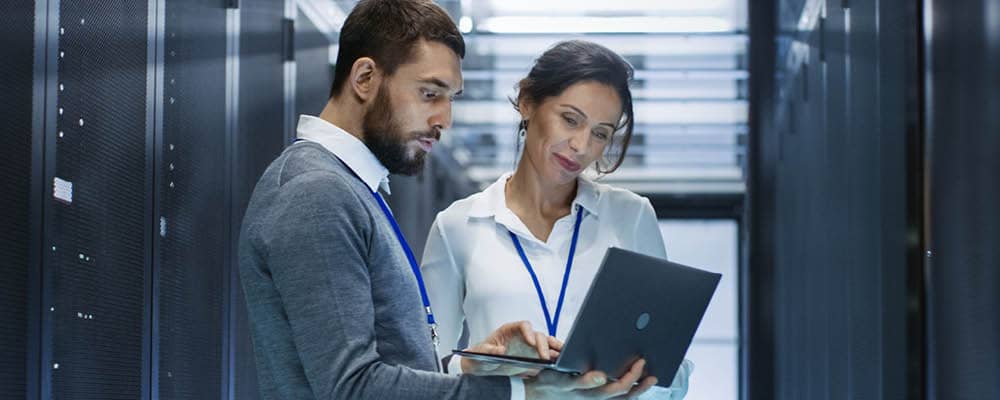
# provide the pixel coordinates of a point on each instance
(429, 94)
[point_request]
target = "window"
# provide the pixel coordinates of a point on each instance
(713, 245)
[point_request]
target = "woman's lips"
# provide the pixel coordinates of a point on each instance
(566, 163)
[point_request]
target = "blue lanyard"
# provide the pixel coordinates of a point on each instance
(551, 321)
(435, 339)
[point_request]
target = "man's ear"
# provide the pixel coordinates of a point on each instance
(365, 79)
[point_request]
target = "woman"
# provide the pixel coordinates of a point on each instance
(576, 111)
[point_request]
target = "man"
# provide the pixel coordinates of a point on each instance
(334, 295)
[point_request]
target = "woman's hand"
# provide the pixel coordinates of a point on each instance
(591, 385)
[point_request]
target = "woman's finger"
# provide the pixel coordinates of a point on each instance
(590, 380)
(527, 333)
(641, 388)
(624, 384)
(555, 343)
(542, 345)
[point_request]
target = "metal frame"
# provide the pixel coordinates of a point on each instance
(698, 206)
(230, 269)
(50, 71)
(39, 120)
(918, 202)
(757, 274)
(290, 69)
(154, 142)
(926, 33)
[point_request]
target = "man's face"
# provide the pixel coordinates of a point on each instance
(412, 107)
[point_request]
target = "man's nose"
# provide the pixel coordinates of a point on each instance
(441, 120)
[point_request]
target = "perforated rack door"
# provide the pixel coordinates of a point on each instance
(191, 203)
(98, 226)
(16, 28)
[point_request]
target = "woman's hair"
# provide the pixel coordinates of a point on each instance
(574, 61)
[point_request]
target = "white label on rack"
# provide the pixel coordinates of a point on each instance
(62, 190)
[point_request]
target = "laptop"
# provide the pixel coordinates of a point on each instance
(637, 307)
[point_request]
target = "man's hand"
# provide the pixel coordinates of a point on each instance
(592, 385)
(512, 339)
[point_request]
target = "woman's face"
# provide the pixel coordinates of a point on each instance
(569, 132)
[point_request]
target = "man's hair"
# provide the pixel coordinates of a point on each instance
(387, 31)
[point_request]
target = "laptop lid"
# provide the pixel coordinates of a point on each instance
(638, 306)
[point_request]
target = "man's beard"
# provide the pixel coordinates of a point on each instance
(385, 138)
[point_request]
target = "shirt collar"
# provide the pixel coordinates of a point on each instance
(494, 200)
(348, 148)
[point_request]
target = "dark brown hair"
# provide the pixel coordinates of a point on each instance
(574, 61)
(387, 31)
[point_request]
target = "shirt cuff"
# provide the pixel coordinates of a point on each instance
(455, 365)
(516, 388)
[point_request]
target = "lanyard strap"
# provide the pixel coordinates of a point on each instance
(551, 321)
(409, 256)
(435, 339)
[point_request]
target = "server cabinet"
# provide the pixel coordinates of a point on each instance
(98, 198)
(832, 203)
(17, 29)
(963, 96)
(191, 246)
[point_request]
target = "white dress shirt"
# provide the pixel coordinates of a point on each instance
(474, 274)
(348, 148)
(356, 155)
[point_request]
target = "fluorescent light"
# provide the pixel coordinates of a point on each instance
(500, 112)
(326, 15)
(591, 6)
(465, 24)
(529, 47)
(811, 14)
(658, 75)
(513, 24)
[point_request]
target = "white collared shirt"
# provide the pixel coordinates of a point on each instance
(348, 148)
(474, 274)
(356, 155)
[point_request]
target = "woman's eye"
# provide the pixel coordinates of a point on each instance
(570, 120)
(601, 135)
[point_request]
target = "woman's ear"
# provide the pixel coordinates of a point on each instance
(365, 79)
(526, 108)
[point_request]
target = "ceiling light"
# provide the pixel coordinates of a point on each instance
(512, 24)
(465, 24)
(590, 6)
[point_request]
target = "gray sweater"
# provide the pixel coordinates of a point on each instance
(334, 307)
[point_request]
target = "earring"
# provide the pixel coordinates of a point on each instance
(522, 131)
